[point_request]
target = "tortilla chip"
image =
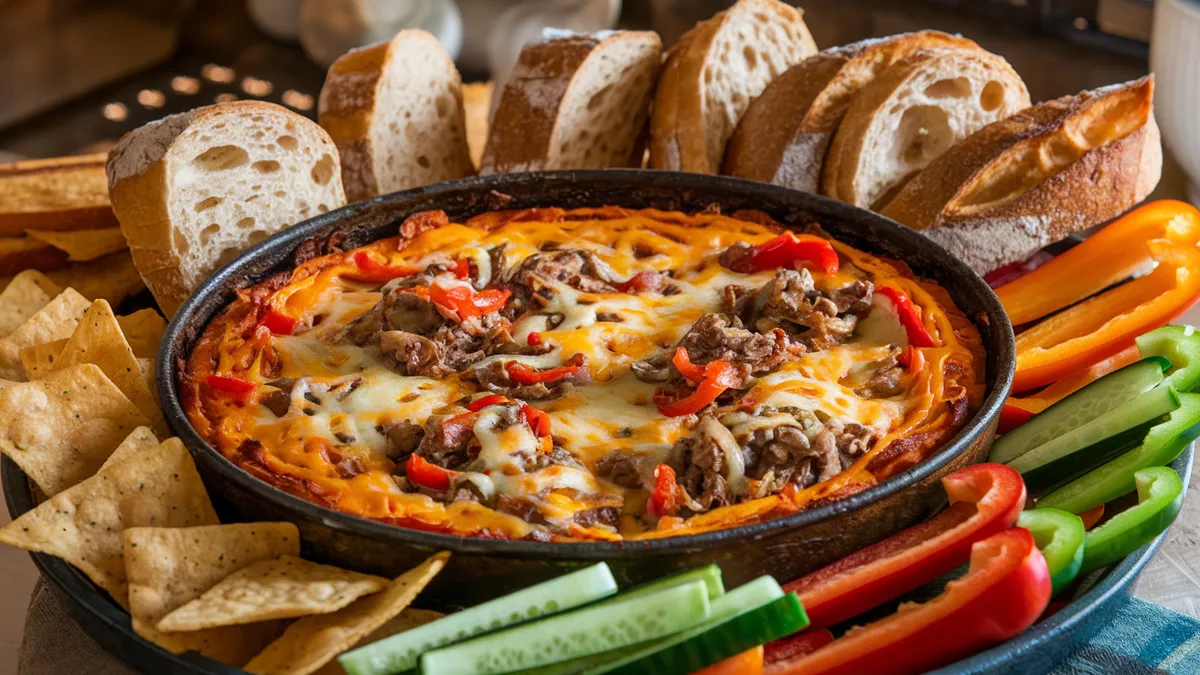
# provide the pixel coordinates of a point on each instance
(144, 331)
(139, 440)
(39, 360)
(83, 525)
(406, 620)
(98, 339)
(55, 321)
(81, 245)
(18, 254)
(28, 292)
(148, 374)
(312, 642)
(61, 429)
(112, 278)
(273, 589)
(169, 567)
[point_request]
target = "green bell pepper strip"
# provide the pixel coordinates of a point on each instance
(1163, 443)
(1160, 496)
(1181, 346)
(1059, 536)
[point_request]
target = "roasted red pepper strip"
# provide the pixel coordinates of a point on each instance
(233, 386)
(718, 377)
(485, 401)
(662, 497)
(462, 268)
(910, 318)
(537, 420)
(465, 302)
(787, 249)
(1005, 590)
(683, 363)
(373, 271)
(795, 646)
(427, 474)
(984, 499)
(279, 323)
(523, 374)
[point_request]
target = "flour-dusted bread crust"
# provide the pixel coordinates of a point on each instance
(713, 73)
(395, 111)
(913, 112)
(783, 136)
(575, 101)
(1029, 180)
(62, 193)
(193, 190)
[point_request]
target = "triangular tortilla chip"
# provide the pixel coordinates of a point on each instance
(138, 440)
(81, 245)
(28, 292)
(406, 620)
(149, 375)
(112, 278)
(83, 525)
(144, 331)
(169, 567)
(273, 589)
(55, 321)
(98, 339)
(39, 360)
(311, 642)
(61, 429)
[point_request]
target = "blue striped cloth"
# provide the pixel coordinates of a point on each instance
(1141, 638)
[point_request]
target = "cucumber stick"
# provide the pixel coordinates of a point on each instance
(401, 651)
(709, 574)
(591, 630)
(1081, 407)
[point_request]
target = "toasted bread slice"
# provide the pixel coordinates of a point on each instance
(910, 114)
(194, 190)
(713, 73)
(785, 132)
(477, 104)
(63, 193)
(574, 101)
(395, 111)
(1029, 180)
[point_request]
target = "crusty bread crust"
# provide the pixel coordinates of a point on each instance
(1032, 179)
(783, 136)
(61, 193)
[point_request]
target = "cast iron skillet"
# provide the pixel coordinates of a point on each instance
(481, 569)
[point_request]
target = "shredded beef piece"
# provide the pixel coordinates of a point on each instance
(621, 467)
(851, 439)
(604, 515)
(446, 442)
(280, 400)
(791, 302)
(423, 221)
(887, 380)
(451, 348)
(403, 438)
(828, 460)
(853, 297)
(314, 247)
(574, 267)
(738, 258)
(541, 536)
(717, 336)
(699, 462)
(655, 370)
(521, 508)
(556, 457)
(494, 377)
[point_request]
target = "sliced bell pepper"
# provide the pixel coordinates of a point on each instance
(523, 374)
(1017, 411)
(662, 500)
(1163, 443)
(1002, 275)
(910, 318)
(1092, 516)
(786, 250)
(683, 363)
(1059, 536)
(537, 420)
(1077, 274)
(372, 271)
(1181, 346)
(747, 663)
(234, 387)
(427, 474)
(485, 401)
(640, 282)
(1005, 590)
(1102, 326)
(279, 323)
(795, 646)
(984, 499)
(1160, 496)
(462, 268)
(719, 376)
(465, 302)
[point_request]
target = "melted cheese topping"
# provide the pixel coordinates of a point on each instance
(332, 443)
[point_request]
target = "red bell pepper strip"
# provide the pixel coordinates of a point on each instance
(662, 497)
(537, 420)
(1017, 411)
(1005, 590)
(462, 268)
(485, 401)
(910, 317)
(426, 474)
(1100, 327)
(279, 323)
(523, 374)
(786, 250)
(642, 281)
(234, 387)
(465, 302)
(1107, 257)
(984, 499)
(795, 646)
(719, 376)
(683, 363)
(372, 271)
(749, 662)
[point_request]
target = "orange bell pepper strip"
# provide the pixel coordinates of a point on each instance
(1107, 257)
(747, 663)
(1017, 411)
(1101, 327)
(1092, 516)
(1005, 590)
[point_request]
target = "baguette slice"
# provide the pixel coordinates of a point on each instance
(910, 114)
(477, 106)
(783, 136)
(194, 190)
(1029, 180)
(575, 101)
(713, 73)
(395, 111)
(63, 193)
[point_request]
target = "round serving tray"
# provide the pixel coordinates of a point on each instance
(1034, 651)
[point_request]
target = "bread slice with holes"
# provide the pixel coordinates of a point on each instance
(711, 75)
(783, 136)
(913, 112)
(194, 190)
(575, 101)
(1029, 180)
(395, 111)
(61, 193)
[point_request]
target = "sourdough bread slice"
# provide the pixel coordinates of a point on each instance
(783, 136)
(193, 190)
(395, 111)
(1029, 180)
(477, 106)
(574, 101)
(62, 193)
(713, 73)
(913, 112)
